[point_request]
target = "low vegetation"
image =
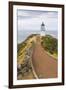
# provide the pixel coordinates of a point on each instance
(50, 44)
(24, 50)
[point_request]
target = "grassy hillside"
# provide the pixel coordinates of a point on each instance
(50, 44)
(24, 51)
(24, 43)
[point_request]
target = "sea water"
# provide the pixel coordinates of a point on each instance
(23, 34)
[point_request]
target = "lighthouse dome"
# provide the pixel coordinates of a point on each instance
(42, 24)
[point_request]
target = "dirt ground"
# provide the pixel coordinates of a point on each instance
(45, 66)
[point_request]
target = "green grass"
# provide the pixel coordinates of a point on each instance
(50, 44)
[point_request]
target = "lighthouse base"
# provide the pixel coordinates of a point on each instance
(42, 34)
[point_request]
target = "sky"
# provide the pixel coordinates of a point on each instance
(32, 19)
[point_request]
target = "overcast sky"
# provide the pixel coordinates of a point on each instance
(32, 19)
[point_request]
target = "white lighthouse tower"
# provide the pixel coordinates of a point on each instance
(42, 29)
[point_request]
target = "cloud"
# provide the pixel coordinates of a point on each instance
(31, 20)
(34, 13)
(27, 14)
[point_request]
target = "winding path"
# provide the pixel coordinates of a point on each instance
(45, 66)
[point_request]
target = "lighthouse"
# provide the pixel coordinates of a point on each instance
(42, 29)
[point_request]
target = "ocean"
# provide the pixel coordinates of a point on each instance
(22, 35)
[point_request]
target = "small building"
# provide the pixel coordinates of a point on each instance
(43, 32)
